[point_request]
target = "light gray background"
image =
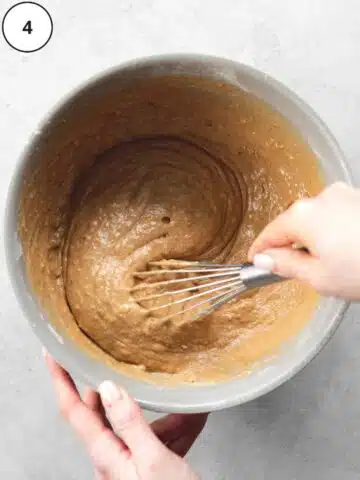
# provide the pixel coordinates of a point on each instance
(310, 427)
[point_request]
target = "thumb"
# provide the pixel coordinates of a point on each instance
(288, 263)
(128, 422)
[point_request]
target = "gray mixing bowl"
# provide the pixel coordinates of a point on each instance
(183, 398)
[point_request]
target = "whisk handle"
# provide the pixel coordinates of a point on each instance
(254, 277)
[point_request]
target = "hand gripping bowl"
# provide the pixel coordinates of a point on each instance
(179, 398)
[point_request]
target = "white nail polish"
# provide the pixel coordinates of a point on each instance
(261, 260)
(109, 392)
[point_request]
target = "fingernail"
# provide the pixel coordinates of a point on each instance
(109, 392)
(44, 352)
(261, 260)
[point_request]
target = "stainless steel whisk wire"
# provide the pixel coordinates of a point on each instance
(223, 282)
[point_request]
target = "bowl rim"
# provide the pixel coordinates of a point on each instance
(164, 404)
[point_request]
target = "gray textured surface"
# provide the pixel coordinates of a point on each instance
(310, 427)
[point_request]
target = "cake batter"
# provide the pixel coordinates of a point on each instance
(174, 167)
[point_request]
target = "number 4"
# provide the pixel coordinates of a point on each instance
(27, 27)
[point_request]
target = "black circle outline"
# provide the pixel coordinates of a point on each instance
(27, 51)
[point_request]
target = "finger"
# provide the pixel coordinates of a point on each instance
(128, 422)
(92, 400)
(167, 428)
(288, 263)
(101, 443)
(111, 458)
(58, 373)
(296, 225)
(335, 189)
(182, 445)
(174, 427)
(82, 419)
(98, 475)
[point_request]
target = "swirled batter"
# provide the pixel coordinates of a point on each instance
(169, 168)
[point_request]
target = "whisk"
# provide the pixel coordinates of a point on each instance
(199, 288)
